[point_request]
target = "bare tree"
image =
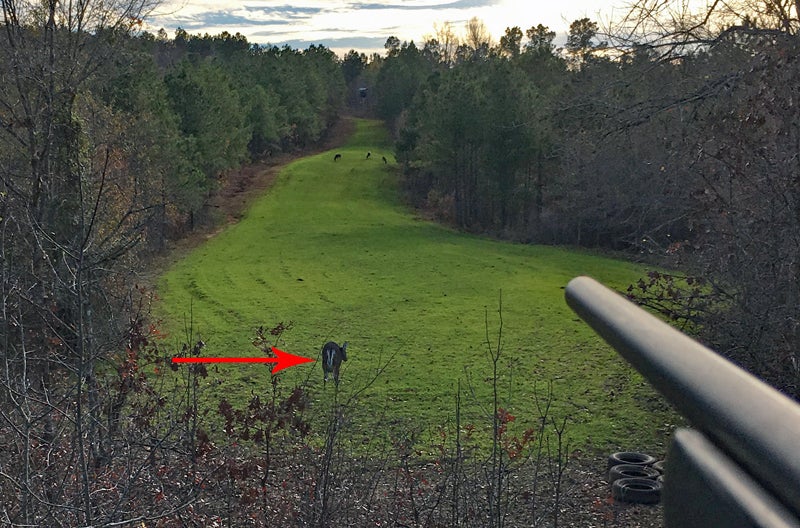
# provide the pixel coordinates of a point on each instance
(737, 61)
(70, 214)
(477, 39)
(448, 42)
(476, 33)
(679, 27)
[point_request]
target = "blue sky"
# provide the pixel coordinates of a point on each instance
(365, 25)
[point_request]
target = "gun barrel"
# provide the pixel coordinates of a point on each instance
(753, 423)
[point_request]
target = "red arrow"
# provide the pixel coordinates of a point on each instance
(282, 361)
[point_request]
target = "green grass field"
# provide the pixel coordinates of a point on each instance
(331, 248)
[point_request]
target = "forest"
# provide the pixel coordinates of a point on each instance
(670, 138)
(679, 150)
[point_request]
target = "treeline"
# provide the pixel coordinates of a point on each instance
(504, 138)
(111, 141)
(206, 105)
(679, 145)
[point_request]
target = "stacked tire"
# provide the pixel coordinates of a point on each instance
(635, 477)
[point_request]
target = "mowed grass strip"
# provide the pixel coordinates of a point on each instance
(331, 248)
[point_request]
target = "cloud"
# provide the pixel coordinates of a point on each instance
(361, 25)
(457, 4)
(224, 19)
(285, 12)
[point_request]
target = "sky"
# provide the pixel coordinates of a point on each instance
(364, 25)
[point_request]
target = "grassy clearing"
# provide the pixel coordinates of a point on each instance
(331, 249)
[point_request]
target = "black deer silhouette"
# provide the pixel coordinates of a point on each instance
(337, 157)
(332, 357)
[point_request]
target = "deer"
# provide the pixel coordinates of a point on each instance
(332, 357)
(337, 157)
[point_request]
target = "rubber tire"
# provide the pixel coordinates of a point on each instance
(630, 457)
(631, 471)
(636, 490)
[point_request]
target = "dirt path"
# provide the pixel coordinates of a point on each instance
(240, 187)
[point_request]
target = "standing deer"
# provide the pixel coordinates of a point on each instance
(332, 357)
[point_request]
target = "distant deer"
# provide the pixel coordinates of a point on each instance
(337, 157)
(332, 357)
(369, 155)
